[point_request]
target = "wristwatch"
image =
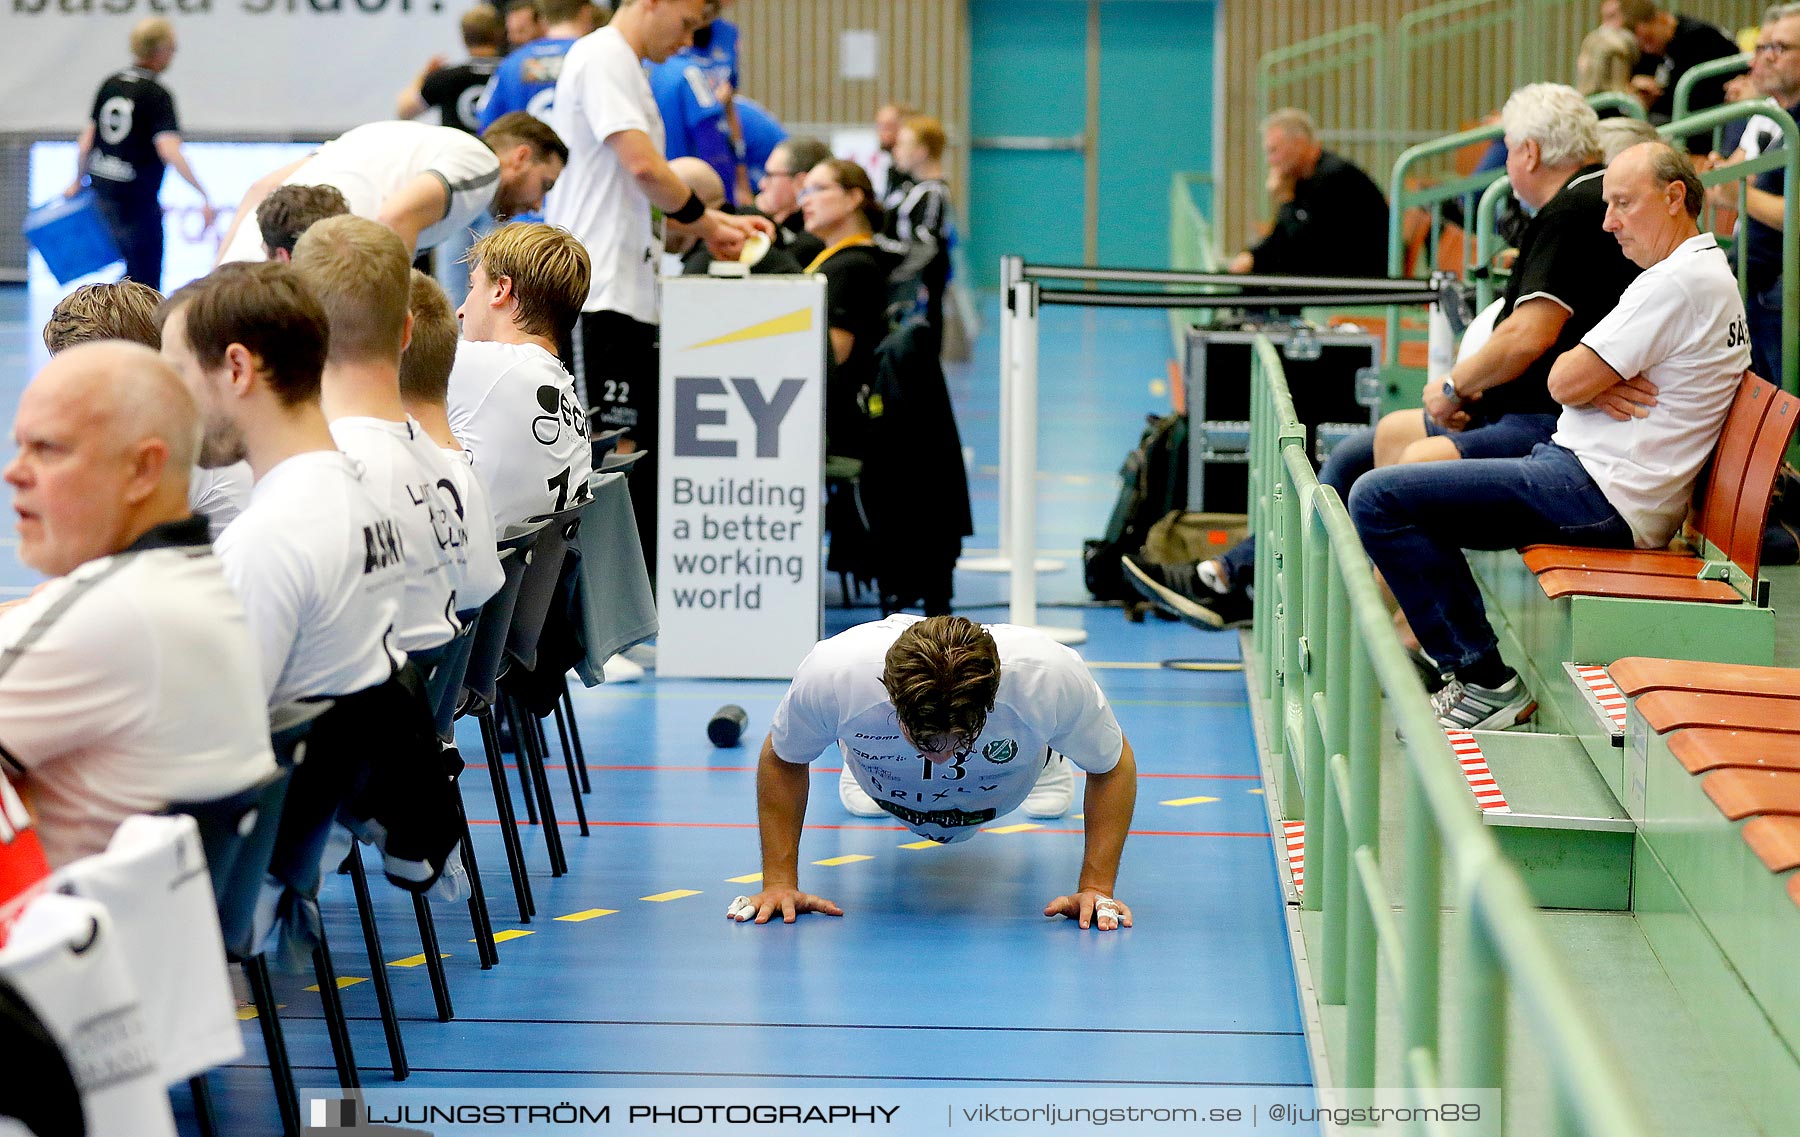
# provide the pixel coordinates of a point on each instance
(1449, 391)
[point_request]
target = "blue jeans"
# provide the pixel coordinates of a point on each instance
(1349, 460)
(1762, 310)
(1416, 520)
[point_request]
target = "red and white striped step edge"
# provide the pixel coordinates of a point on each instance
(1295, 834)
(1475, 770)
(1604, 691)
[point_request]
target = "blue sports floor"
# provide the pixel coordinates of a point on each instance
(942, 971)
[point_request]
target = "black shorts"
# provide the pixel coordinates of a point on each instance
(619, 366)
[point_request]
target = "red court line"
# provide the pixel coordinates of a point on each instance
(853, 828)
(831, 770)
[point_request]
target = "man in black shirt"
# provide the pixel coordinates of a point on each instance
(130, 138)
(1331, 221)
(1495, 402)
(1775, 71)
(456, 89)
(1683, 42)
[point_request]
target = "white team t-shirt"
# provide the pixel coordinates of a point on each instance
(484, 575)
(68, 960)
(1047, 700)
(130, 683)
(405, 473)
(369, 164)
(515, 411)
(603, 91)
(1681, 325)
(219, 494)
(320, 569)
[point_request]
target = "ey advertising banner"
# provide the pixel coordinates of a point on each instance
(740, 476)
(242, 67)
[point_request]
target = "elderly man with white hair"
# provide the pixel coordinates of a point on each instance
(1495, 402)
(1643, 393)
(130, 680)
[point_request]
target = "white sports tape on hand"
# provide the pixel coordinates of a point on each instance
(741, 909)
(1107, 906)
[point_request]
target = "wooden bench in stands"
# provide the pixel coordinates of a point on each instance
(1714, 757)
(1725, 525)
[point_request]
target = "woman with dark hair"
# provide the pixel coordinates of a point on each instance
(840, 209)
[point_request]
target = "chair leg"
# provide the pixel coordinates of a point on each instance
(524, 767)
(531, 763)
(479, 919)
(281, 1070)
(203, 1105)
(509, 822)
(434, 963)
(384, 994)
(568, 767)
(336, 1024)
(566, 710)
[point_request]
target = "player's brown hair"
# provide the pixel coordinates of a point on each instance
(125, 310)
(359, 270)
(942, 674)
(930, 133)
(515, 127)
(289, 211)
(264, 306)
(483, 26)
(431, 353)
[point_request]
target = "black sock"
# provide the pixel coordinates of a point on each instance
(1489, 671)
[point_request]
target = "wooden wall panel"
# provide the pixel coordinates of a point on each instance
(789, 62)
(1456, 81)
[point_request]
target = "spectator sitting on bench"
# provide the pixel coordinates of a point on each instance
(1495, 402)
(1330, 218)
(1644, 396)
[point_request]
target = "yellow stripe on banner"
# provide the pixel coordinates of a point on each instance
(510, 934)
(343, 982)
(415, 960)
(676, 894)
(590, 914)
(796, 321)
(1020, 828)
(920, 845)
(1188, 801)
(833, 862)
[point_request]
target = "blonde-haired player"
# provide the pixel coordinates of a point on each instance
(513, 405)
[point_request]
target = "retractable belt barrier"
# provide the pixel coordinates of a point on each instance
(1023, 294)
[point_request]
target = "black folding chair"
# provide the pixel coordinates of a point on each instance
(237, 833)
(480, 697)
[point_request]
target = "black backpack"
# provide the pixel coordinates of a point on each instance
(1154, 479)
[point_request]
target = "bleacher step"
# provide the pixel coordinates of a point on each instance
(1563, 828)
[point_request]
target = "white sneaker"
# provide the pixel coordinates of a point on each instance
(855, 798)
(618, 669)
(1055, 789)
(452, 885)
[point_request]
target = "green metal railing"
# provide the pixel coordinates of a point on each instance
(1192, 247)
(1353, 59)
(1786, 158)
(1699, 73)
(1326, 663)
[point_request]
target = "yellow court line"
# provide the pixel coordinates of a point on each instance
(415, 960)
(1253, 791)
(748, 878)
(1188, 801)
(850, 859)
(675, 894)
(247, 1012)
(591, 913)
(510, 934)
(1078, 817)
(920, 845)
(1020, 828)
(343, 982)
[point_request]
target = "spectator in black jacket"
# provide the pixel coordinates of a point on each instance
(1683, 43)
(1331, 219)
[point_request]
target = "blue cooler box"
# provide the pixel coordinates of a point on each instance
(71, 236)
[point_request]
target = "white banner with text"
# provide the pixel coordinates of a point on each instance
(241, 66)
(740, 460)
